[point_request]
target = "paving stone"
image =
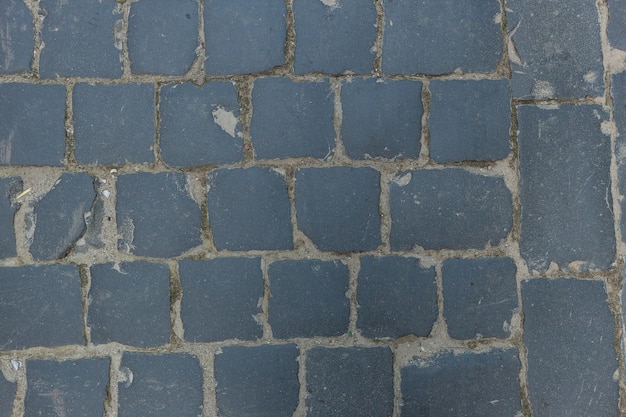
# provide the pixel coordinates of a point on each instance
(244, 37)
(80, 39)
(292, 119)
(59, 217)
(7, 396)
(9, 187)
(160, 385)
(618, 91)
(448, 209)
(130, 304)
(40, 306)
(23, 142)
(467, 384)
(334, 37)
(200, 125)
(16, 26)
(156, 215)
(113, 124)
(469, 120)
(381, 119)
(479, 297)
(70, 388)
(338, 207)
(308, 298)
(440, 37)
(565, 187)
(249, 209)
(221, 299)
(555, 49)
(568, 332)
(163, 36)
(257, 381)
(616, 29)
(349, 381)
(396, 296)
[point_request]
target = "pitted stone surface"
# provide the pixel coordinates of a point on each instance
(9, 188)
(616, 30)
(16, 24)
(7, 394)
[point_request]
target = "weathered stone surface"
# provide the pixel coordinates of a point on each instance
(616, 29)
(7, 394)
(9, 188)
(618, 91)
(16, 26)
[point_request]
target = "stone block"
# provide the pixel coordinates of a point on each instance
(17, 37)
(9, 188)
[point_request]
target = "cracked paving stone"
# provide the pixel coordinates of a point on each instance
(7, 396)
(9, 188)
(17, 37)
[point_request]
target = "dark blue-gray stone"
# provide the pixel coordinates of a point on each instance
(565, 187)
(617, 29)
(469, 120)
(17, 37)
(569, 333)
(259, 381)
(221, 299)
(7, 396)
(381, 118)
(396, 297)
(9, 188)
(618, 91)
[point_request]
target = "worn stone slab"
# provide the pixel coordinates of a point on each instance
(292, 119)
(349, 381)
(221, 299)
(114, 123)
(396, 296)
(568, 333)
(308, 298)
(381, 118)
(555, 49)
(32, 127)
(80, 39)
(9, 188)
(616, 28)
(130, 304)
(156, 215)
(40, 306)
(249, 209)
(7, 394)
(466, 384)
(69, 388)
(244, 37)
(157, 385)
(479, 297)
(565, 186)
(469, 120)
(618, 91)
(16, 26)
(257, 381)
(448, 209)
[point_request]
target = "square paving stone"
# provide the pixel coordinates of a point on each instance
(130, 304)
(469, 120)
(349, 382)
(292, 119)
(555, 49)
(80, 39)
(32, 126)
(618, 91)
(114, 124)
(568, 333)
(160, 385)
(200, 125)
(617, 29)
(467, 384)
(221, 299)
(17, 37)
(479, 297)
(381, 119)
(40, 306)
(308, 298)
(565, 187)
(156, 215)
(257, 381)
(440, 37)
(334, 36)
(448, 209)
(244, 37)
(163, 36)
(249, 209)
(7, 396)
(9, 187)
(396, 297)
(70, 388)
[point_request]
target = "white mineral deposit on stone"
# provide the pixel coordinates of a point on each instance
(226, 120)
(16, 364)
(403, 180)
(542, 89)
(590, 77)
(333, 4)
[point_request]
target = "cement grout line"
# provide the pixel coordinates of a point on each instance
(380, 33)
(264, 301)
(177, 330)
(354, 267)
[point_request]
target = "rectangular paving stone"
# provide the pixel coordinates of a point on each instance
(466, 384)
(616, 28)
(565, 187)
(7, 396)
(17, 30)
(568, 333)
(257, 381)
(9, 188)
(618, 91)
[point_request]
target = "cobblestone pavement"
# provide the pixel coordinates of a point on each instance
(312, 208)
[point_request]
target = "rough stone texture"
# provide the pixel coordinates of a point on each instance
(469, 120)
(396, 297)
(565, 187)
(568, 331)
(16, 37)
(9, 188)
(616, 29)
(618, 91)
(7, 395)
(257, 381)
(381, 118)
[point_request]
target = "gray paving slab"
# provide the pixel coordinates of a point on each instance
(16, 51)
(7, 397)
(616, 28)
(618, 92)
(9, 188)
